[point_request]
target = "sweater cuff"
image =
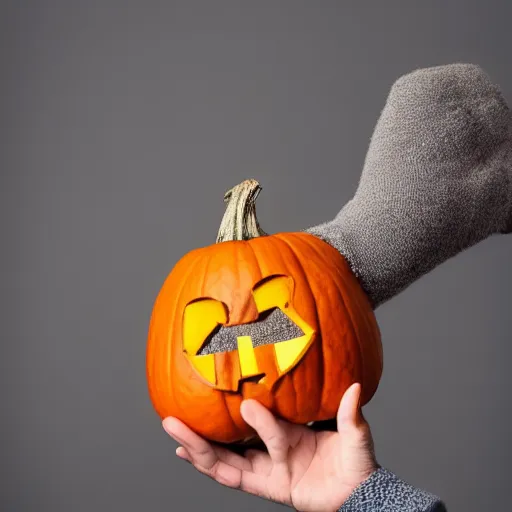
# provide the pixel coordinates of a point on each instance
(383, 491)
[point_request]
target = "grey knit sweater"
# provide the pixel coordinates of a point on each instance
(385, 492)
(437, 179)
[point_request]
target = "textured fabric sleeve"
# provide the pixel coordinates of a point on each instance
(437, 179)
(383, 491)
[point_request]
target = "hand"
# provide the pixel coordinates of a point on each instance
(307, 470)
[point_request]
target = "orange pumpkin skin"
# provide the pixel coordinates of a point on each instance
(346, 347)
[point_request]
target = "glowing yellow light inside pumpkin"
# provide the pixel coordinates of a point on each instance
(248, 363)
(290, 352)
(199, 320)
(205, 365)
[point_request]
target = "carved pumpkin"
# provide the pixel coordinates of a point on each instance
(279, 318)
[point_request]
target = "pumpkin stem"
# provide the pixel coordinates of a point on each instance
(239, 221)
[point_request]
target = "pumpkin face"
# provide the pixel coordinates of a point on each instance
(278, 318)
(210, 338)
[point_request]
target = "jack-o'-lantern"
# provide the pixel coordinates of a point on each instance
(279, 318)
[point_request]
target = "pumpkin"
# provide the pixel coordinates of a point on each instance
(278, 318)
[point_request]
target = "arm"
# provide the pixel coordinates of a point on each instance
(437, 179)
(383, 491)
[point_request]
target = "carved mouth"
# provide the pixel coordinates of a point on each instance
(272, 327)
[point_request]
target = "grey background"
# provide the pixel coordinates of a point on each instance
(122, 124)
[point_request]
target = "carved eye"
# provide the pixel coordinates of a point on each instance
(200, 320)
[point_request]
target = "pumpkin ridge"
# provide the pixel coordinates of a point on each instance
(256, 259)
(359, 298)
(348, 310)
(362, 362)
(311, 246)
(250, 249)
(168, 346)
(237, 248)
(319, 338)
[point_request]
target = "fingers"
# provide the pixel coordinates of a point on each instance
(202, 451)
(217, 462)
(352, 426)
(183, 454)
(270, 430)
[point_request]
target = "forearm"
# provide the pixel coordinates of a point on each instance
(437, 180)
(383, 491)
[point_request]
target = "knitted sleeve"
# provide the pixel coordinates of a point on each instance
(383, 491)
(437, 179)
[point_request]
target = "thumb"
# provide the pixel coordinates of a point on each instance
(356, 441)
(349, 412)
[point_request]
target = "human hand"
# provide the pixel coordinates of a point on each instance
(309, 471)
